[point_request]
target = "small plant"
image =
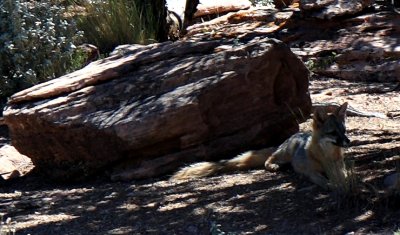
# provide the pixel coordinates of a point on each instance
(110, 23)
(311, 64)
(36, 44)
(78, 58)
(321, 62)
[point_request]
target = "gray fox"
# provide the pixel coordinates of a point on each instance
(309, 153)
(313, 154)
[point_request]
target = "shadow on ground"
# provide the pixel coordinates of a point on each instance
(254, 202)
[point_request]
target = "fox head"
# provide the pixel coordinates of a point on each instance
(330, 127)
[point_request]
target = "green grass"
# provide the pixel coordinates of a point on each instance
(78, 59)
(321, 62)
(111, 23)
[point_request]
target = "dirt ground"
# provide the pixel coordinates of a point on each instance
(252, 202)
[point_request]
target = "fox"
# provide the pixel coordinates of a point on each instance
(316, 154)
(310, 154)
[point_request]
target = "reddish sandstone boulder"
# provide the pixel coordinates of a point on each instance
(156, 107)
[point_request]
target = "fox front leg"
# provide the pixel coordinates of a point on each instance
(277, 159)
(284, 153)
(319, 180)
(270, 164)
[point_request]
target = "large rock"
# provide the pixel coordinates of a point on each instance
(158, 106)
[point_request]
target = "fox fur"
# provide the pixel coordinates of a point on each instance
(247, 160)
(311, 155)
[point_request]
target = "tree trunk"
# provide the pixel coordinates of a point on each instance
(190, 9)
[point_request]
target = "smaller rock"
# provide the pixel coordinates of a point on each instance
(12, 163)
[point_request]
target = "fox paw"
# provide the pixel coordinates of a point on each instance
(272, 167)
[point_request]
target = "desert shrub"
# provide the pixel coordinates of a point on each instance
(37, 44)
(341, 176)
(110, 23)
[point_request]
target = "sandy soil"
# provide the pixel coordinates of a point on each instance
(251, 202)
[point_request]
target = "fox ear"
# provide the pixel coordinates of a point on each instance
(319, 117)
(341, 111)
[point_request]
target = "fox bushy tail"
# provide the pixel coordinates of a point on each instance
(247, 160)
